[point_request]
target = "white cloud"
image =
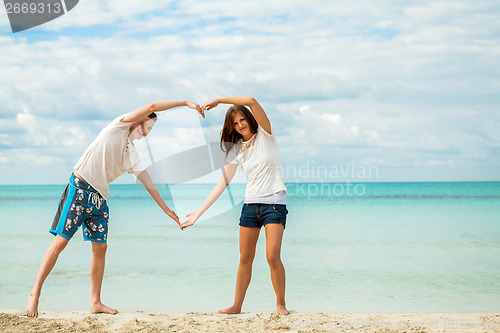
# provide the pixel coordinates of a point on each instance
(28, 158)
(68, 137)
(355, 130)
(360, 80)
(432, 163)
(104, 12)
(331, 119)
(27, 120)
(493, 131)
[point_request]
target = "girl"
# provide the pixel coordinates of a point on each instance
(248, 141)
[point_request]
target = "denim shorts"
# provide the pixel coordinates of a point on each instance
(255, 215)
(81, 205)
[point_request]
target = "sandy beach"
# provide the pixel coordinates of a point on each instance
(11, 321)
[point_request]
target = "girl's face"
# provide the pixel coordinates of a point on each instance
(240, 124)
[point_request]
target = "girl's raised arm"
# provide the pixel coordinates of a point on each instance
(257, 110)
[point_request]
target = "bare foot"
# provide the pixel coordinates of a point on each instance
(281, 309)
(101, 308)
(32, 308)
(231, 310)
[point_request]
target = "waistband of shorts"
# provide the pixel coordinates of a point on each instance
(82, 184)
(263, 204)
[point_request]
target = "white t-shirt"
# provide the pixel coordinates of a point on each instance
(259, 159)
(109, 156)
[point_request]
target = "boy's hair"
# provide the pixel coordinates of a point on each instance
(153, 116)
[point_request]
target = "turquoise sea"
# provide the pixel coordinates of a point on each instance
(348, 248)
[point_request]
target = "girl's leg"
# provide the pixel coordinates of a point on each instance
(274, 236)
(248, 242)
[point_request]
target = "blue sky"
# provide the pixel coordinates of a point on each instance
(408, 88)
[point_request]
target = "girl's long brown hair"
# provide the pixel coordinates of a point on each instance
(228, 135)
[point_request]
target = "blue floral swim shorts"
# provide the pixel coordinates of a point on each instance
(82, 205)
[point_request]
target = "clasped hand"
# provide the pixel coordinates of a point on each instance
(201, 109)
(194, 215)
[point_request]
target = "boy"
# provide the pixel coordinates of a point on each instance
(83, 202)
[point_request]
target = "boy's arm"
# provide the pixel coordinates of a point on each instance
(145, 179)
(142, 112)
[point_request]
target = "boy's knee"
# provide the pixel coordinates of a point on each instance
(59, 244)
(99, 248)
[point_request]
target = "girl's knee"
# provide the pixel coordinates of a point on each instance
(246, 259)
(273, 260)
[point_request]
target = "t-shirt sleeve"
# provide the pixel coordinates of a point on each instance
(263, 131)
(135, 161)
(119, 124)
(137, 166)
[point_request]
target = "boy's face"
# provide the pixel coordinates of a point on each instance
(146, 127)
(142, 128)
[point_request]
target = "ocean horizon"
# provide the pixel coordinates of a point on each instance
(348, 247)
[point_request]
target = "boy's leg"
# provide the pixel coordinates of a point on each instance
(96, 275)
(48, 262)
